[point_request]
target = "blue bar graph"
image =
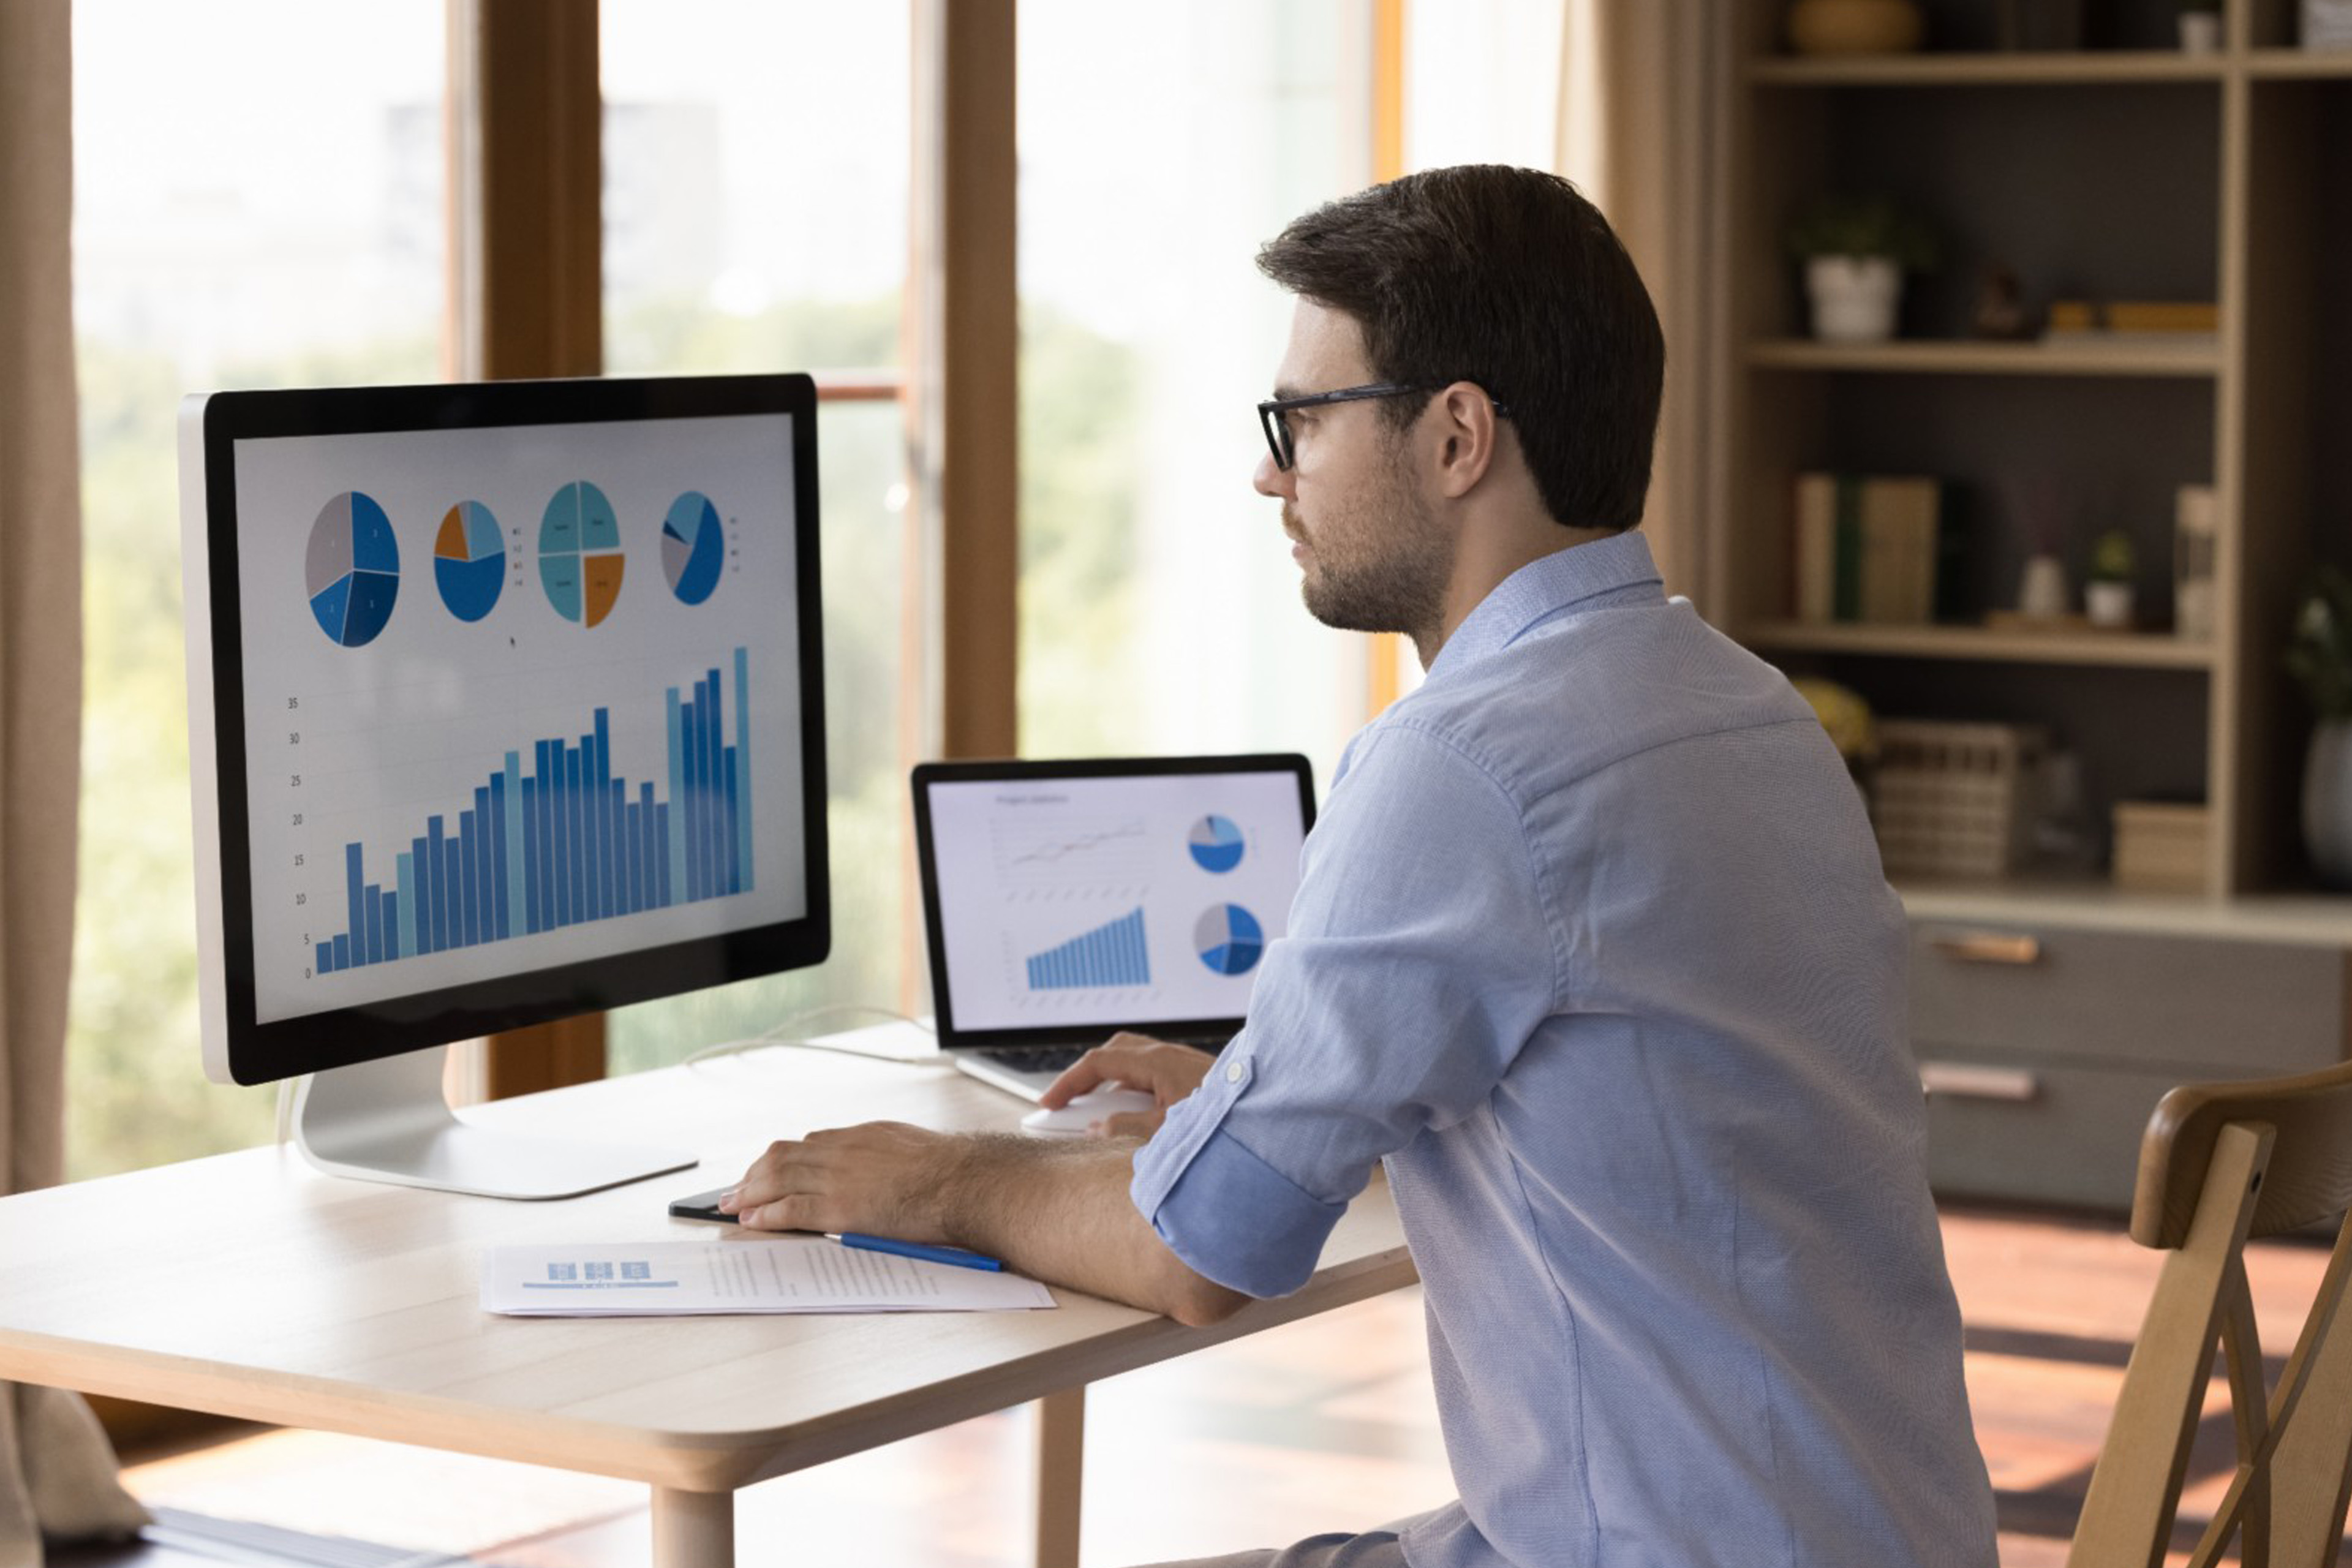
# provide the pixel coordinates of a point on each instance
(1110, 954)
(566, 840)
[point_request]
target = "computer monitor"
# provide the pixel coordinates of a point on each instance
(506, 703)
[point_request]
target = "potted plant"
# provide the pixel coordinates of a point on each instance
(1856, 252)
(2320, 656)
(2107, 591)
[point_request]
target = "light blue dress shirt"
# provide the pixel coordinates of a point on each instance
(1594, 952)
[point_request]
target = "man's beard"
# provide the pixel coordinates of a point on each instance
(1399, 583)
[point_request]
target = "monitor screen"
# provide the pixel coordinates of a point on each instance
(506, 704)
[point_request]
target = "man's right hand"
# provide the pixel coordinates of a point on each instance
(1162, 1068)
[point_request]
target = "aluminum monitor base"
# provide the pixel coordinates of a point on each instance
(388, 1120)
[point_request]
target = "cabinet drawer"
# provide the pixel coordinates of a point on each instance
(2074, 1138)
(2219, 1008)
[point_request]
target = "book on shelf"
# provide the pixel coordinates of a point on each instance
(1878, 550)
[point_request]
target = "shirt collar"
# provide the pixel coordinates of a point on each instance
(1547, 586)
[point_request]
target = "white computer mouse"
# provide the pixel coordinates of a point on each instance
(1096, 1104)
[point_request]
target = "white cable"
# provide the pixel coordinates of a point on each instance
(788, 1036)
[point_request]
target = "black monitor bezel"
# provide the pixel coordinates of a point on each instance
(925, 774)
(259, 1052)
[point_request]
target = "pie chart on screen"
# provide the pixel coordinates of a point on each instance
(469, 561)
(1229, 939)
(351, 569)
(579, 559)
(693, 546)
(1216, 844)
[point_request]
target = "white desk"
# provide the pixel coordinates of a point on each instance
(251, 1285)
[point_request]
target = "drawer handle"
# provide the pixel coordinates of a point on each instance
(1990, 947)
(1965, 1080)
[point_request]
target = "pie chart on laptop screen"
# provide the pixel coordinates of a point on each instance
(1216, 844)
(1229, 939)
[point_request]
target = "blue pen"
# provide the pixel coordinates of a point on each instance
(954, 1255)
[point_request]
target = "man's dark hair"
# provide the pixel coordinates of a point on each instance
(1508, 277)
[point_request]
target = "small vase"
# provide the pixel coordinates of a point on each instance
(2042, 592)
(2328, 803)
(1855, 298)
(1855, 26)
(2201, 33)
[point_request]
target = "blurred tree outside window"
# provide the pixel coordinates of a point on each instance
(259, 202)
(757, 173)
(1159, 607)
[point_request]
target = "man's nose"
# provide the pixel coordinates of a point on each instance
(1269, 481)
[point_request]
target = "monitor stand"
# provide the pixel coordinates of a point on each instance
(388, 1120)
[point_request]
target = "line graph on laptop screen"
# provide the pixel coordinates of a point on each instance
(1093, 855)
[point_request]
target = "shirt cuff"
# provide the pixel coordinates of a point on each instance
(1235, 1220)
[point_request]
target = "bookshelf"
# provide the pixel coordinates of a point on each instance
(2126, 170)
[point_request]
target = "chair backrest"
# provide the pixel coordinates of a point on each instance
(2221, 1163)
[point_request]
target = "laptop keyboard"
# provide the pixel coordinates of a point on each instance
(1035, 1059)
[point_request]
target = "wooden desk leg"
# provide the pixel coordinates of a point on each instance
(693, 1529)
(1061, 1472)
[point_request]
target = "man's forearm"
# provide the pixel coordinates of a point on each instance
(1060, 1211)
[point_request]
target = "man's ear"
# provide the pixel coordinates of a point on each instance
(1465, 434)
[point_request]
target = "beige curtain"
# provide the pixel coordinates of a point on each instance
(57, 1472)
(1638, 130)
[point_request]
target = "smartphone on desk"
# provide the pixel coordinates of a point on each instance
(702, 1205)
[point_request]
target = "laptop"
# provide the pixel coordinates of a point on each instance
(1066, 901)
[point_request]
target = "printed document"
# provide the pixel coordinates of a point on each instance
(737, 1275)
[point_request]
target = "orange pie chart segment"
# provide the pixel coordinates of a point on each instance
(602, 576)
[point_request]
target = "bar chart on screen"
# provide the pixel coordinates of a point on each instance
(553, 835)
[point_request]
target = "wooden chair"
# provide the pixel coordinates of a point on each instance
(2220, 1163)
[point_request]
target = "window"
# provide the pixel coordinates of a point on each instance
(1159, 146)
(259, 201)
(756, 192)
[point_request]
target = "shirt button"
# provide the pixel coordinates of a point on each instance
(1232, 1072)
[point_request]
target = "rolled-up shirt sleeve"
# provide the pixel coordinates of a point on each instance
(1417, 961)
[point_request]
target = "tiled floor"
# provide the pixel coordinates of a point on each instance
(1323, 1424)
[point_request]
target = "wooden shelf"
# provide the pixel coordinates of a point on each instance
(2120, 650)
(2093, 903)
(2288, 64)
(2069, 69)
(1933, 357)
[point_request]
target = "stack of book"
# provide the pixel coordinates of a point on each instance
(1875, 549)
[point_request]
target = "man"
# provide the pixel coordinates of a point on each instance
(1592, 950)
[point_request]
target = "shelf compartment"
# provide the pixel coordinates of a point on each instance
(1951, 357)
(2070, 67)
(2118, 650)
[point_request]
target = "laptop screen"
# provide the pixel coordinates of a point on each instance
(1066, 899)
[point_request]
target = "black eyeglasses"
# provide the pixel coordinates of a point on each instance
(1284, 446)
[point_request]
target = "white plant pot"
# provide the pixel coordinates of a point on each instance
(1855, 298)
(2108, 604)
